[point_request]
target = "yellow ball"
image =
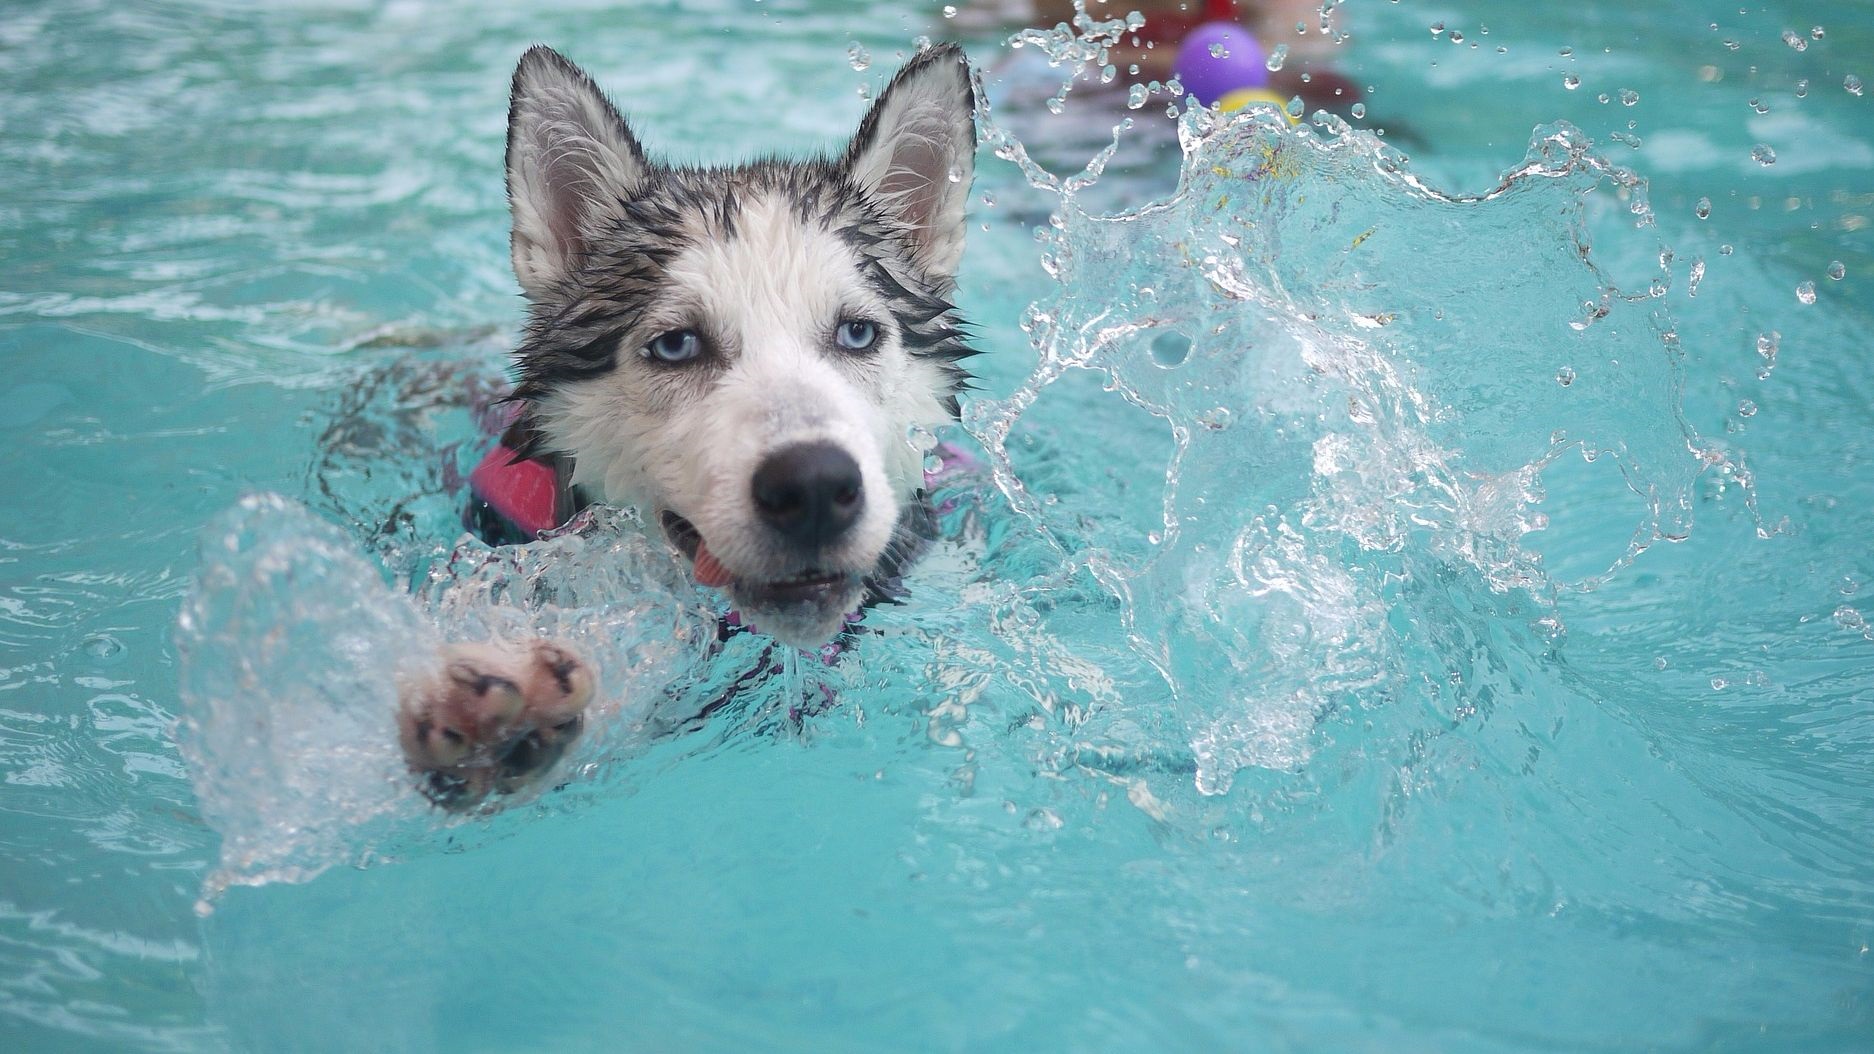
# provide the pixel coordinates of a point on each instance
(1242, 97)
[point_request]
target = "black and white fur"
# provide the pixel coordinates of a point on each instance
(696, 341)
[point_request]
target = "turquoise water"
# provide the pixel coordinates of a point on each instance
(1295, 682)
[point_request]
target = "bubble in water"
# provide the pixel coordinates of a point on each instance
(1358, 110)
(1762, 154)
(1698, 275)
(1757, 105)
(1802, 88)
(1458, 38)
(1836, 271)
(1170, 349)
(1277, 57)
(950, 11)
(1703, 209)
(1438, 29)
(1568, 53)
(1805, 292)
(858, 56)
(1746, 408)
(1602, 98)
(1816, 32)
(1629, 97)
(1725, 249)
(1565, 376)
(1795, 40)
(1852, 83)
(1571, 82)
(1731, 45)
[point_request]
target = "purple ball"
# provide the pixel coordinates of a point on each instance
(1210, 77)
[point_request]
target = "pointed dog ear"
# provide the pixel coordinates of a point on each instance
(571, 160)
(915, 152)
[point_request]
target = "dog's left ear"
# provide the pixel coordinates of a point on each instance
(916, 150)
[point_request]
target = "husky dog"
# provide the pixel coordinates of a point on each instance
(745, 354)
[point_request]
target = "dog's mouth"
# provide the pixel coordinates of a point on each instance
(811, 588)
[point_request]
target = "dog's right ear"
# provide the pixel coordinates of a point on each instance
(571, 160)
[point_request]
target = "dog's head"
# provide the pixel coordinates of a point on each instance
(749, 355)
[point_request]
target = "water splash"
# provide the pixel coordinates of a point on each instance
(1362, 404)
(292, 648)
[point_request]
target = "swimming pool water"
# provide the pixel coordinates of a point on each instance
(1296, 683)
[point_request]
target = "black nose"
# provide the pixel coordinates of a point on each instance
(809, 493)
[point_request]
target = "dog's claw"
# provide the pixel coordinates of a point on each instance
(495, 719)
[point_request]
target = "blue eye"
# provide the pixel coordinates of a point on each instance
(678, 345)
(856, 334)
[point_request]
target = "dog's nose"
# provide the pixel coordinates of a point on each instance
(809, 493)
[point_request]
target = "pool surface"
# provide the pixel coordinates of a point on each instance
(1418, 595)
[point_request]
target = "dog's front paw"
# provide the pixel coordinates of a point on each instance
(497, 716)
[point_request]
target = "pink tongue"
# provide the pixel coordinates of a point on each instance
(709, 570)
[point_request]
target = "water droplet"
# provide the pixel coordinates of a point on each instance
(1135, 98)
(1358, 110)
(1565, 376)
(1852, 83)
(1458, 38)
(1836, 271)
(1568, 53)
(858, 56)
(1795, 40)
(1217, 418)
(1703, 209)
(1296, 106)
(1629, 97)
(989, 199)
(1698, 275)
(1438, 29)
(1805, 292)
(1762, 154)
(1571, 82)
(950, 10)
(954, 174)
(1746, 408)
(1277, 57)
(1218, 51)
